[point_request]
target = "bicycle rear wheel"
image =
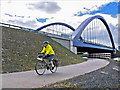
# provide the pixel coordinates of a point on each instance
(55, 67)
(40, 67)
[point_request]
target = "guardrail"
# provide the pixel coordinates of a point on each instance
(64, 36)
(100, 55)
(18, 27)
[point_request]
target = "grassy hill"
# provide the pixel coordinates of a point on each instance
(20, 50)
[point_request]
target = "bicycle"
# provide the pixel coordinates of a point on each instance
(41, 65)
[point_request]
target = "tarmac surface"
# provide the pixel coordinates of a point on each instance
(29, 79)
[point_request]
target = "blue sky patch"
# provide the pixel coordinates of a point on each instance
(8, 14)
(119, 7)
(110, 8)
(13, 15)
(42, 20)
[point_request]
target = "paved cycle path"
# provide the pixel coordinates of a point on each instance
(29, 79)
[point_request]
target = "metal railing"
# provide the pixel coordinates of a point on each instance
(100, 55)
(14, 26)
(64, 36)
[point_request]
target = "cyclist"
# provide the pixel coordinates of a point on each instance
(49, 53)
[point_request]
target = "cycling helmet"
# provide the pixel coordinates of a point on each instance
(45, 42)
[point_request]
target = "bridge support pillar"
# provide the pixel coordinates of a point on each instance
(73, 49)
(66, 43)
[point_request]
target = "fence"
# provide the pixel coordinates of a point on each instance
(100, 55)
(65, 36)
(14, 26)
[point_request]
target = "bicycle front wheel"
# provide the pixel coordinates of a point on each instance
(40, 67)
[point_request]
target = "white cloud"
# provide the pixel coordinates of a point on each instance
(48, 7)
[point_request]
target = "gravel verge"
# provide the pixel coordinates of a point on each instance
(107, 77)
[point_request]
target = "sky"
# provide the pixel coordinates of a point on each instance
(36, 13)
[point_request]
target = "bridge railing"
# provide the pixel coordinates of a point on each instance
(56, 33)
(65, 36)
(100, 55)
(62, 36)
(14, 26)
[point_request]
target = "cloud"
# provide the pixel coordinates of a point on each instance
(48, 7)
(30, 24)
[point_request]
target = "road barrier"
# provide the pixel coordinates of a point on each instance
(100, 55)
(14, 26)
(42, 32)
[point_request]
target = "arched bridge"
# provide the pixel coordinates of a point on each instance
(93, 35)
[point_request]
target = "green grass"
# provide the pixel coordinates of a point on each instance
(20, 50)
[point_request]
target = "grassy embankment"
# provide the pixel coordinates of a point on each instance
(20, 50)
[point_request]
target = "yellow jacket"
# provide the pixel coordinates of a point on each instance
(48, 49)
